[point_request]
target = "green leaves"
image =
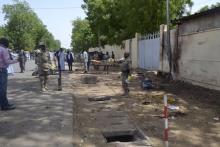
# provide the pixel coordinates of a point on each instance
(24, 29)
(205, 8)
(2, 31)
(117, 20)
(82, 36)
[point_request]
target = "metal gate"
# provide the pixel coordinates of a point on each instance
(149, 52)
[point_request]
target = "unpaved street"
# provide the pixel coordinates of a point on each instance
(82, 115)
(40, 119)
(192, 126)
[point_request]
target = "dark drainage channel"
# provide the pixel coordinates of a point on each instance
(136, 139)
(121, 138)
(99, 98)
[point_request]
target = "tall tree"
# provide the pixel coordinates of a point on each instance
(24, 29)
(2, 31)
(82, 36)
(115, 20)
(205, 8)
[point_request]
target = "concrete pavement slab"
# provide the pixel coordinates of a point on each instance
(40, 119)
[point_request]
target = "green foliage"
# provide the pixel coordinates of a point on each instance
(215, 5)
(24, 29)
(205, 8)
(82, 36)
(2, 31)
(116, 20)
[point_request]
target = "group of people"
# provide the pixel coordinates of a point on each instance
(124, 66)
(61, 57)
(45, 60)
(44, 65)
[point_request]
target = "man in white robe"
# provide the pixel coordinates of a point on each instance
(61, 59)
(86, 59)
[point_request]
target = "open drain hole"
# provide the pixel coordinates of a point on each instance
(120, 138)
(99, 98)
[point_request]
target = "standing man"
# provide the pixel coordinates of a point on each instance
(22, 59)
(10, 67)
(86, 59)
(113, 55)
(125, 72)
(69, 60)
(5, 61)
(61, 59)
(43, 67)
(106, 57)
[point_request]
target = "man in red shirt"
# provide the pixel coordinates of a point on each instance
(4, 63)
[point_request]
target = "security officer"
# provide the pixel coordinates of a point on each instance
(22, 59)
(43, 67)
(125, 72)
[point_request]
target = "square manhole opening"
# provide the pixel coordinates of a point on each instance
(120, 138)
(99, 98)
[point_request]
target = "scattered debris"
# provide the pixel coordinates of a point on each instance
(172, 107)
(146, 102)
(147, 84)
(177, 114)
(159, 116)
(172, 117)
(158, 98)
(216, 118)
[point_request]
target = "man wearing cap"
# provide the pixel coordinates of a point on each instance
(22, 59)
(5, 61)
(125, 72)
(43, 67)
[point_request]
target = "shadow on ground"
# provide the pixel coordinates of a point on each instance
(40, 119)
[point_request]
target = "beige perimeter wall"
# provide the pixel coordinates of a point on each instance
(199, 61)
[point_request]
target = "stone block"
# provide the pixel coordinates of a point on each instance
(89, 79)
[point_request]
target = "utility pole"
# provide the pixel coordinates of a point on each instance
(60, 74)
(169, 52)
(99, 41)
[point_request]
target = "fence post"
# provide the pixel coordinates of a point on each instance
(166, 122)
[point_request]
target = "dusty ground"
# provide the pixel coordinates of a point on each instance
(40, 119)
(192, 126)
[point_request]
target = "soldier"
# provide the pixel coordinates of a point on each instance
(125, 72)
(43, 67)
(22, 59)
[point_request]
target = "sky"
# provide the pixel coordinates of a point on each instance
(58, 15)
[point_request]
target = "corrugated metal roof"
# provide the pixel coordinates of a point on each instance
(196, 15)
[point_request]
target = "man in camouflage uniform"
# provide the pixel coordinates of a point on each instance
(22, 59)
(125, 72)
(43, 67)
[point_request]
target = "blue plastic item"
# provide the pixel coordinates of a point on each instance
(147, 84)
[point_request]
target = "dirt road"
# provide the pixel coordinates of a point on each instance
(194, 125)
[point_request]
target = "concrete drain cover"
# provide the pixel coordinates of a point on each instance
(100, 98)
(117, 129)
(89, 79)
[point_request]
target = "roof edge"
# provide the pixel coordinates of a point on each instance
(196, 15)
